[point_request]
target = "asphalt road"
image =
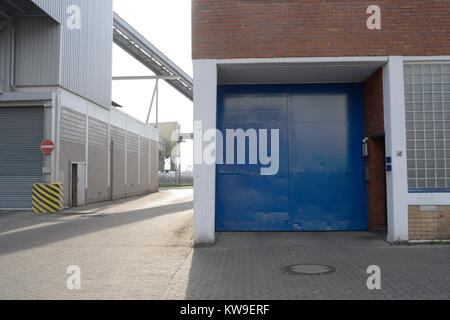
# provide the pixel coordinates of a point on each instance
(128, 249)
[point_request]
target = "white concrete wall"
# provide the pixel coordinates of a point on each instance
(205, 107)
(398, 198)
(395, 127)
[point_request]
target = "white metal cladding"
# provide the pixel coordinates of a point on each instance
(144, 145)
(55, 9)
(98, 133)
(21, 133)
(37, 51)
(132, 142)
(86, 54)
(427, 95)
(73, 126)
(118, 138)
(5, 54)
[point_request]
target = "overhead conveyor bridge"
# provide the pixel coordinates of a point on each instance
(127, 38)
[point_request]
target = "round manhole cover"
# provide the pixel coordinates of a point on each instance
(309, 269)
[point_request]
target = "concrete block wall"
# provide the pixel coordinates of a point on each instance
(429, 222)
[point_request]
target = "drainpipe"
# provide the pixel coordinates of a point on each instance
(13, 56)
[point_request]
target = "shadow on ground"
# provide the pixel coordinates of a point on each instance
(56, 228)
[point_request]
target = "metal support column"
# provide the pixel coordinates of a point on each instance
(157, 104)
(151, 103)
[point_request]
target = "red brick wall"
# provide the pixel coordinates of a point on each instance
(374, 121)
(303, 28)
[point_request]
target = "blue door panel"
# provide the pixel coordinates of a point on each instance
(326, 184)
(252, 203)
(245, 200)
(320, 184)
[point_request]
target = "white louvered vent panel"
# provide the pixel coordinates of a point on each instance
(73, 126)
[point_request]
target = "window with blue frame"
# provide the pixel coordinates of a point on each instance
(427, 97)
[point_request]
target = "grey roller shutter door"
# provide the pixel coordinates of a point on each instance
(21, 133)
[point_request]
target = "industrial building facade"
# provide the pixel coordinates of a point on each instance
(55, 78)
(360, 95)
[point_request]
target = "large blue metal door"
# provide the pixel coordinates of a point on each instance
(320, 182)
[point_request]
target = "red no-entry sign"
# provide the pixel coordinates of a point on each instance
(47, 147)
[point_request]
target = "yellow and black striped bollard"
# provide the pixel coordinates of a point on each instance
(48, 197)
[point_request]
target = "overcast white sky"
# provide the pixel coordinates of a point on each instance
(167, 25)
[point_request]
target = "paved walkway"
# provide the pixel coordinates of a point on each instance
(250, 266)
(141, 248)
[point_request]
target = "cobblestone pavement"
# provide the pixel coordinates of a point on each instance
(141, 248)
(250, 266)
